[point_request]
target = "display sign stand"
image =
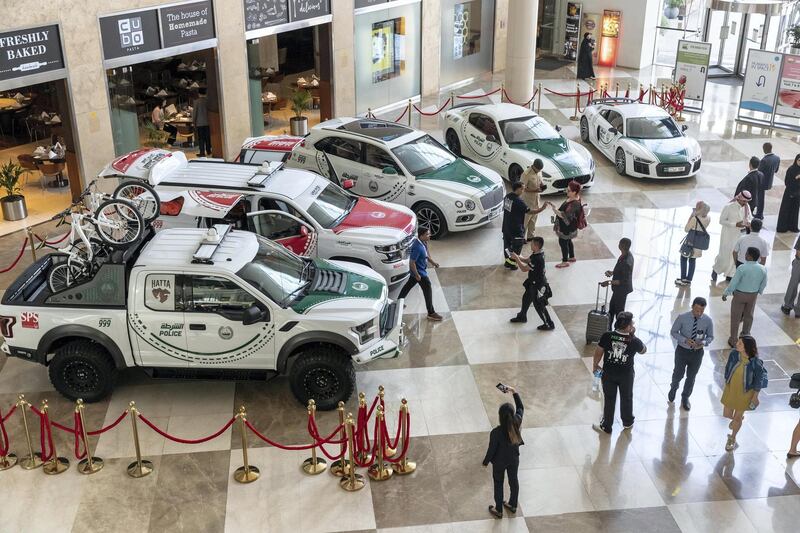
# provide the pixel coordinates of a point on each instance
(760, 88)
(692, 60)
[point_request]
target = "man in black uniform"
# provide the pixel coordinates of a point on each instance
(514, 210)
(752, 184)
(621, 280)
(536, 288)
(616, 349)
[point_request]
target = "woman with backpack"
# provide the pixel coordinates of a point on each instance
(569, 218)
(745, 376)
(698, 221)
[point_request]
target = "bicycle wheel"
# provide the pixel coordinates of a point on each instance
(62, 276)
(119, 224)
(141, 195)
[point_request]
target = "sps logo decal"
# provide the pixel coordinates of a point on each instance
(29, 320)
(7, 325)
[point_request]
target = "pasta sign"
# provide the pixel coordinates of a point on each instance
(30, 51)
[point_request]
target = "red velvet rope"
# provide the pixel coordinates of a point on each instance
(9, 413)
(19, 256)
(421, 112)
(390, 444)
(112, 425)
(78, 426)
(372, 407)
(523, 105)
(572, 95)
(476, 96)
(327, 440)
(643, 93)
(52, 243)
(373, 451)
(313, 430)
(3, 434)
(401, 115)
(186, 441)
(400, 457)
(45, 437)
(628, 92)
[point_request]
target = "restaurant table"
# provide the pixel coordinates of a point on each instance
(60, 181)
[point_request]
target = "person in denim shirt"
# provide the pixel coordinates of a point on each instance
(744, 374)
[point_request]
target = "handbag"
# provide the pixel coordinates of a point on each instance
(699, 240)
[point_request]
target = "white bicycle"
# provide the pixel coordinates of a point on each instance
(99, 224)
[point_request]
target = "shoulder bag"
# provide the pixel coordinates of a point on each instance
(698, 239)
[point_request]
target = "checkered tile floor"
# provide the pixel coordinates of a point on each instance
(670, 473)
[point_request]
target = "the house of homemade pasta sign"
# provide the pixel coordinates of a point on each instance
(30, 51)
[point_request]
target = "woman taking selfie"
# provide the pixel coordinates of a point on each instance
(503, 453)
(745, 376)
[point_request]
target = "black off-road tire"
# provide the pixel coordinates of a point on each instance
(324, 374)
(83, 369)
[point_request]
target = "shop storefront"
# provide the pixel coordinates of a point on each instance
(467, 40)
(387, 52)
(36, 127)
(161, 72)
(289, 64)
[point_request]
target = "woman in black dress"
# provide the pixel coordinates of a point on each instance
(503, 453)
(585, 69)
(790, 203)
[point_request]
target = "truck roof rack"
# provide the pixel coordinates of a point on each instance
(267, 169)
(615, 100)
(209, 243)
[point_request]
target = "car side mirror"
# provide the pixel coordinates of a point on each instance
(348, 184)
(558, 128)
(389, 171)
(684, 127)
(253, 314)
(612, 130)
(491, 139)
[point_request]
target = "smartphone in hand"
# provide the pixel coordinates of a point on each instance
(502, 388)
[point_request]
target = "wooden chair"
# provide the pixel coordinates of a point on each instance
(28, 163)
(51, 170)
(185, 130)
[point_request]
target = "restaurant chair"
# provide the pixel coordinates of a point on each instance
(52, 170)
(187, 132)
(28, 163)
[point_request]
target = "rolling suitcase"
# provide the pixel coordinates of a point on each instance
(597, 321)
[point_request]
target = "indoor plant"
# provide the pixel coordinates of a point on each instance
(672, 8)
(298, 124)
(156, 138)
(13, 203)
(794, 38)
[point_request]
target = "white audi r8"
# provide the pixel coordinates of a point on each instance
(642, 140)
(507, 138)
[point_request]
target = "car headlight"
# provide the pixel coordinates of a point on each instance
(393, 252)
(459, 204)
(642, 160)
(389, 248)
(365, 331)
(470, 205)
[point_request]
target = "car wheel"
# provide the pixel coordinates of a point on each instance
(429, 216)
(323, 374)
(514, 173)
(584, 130)
(83, 369)
(451, 138)
(619, 162)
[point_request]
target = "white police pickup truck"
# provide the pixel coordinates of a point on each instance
(206, 303)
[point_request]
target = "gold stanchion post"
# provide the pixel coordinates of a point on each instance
(409, 112)
(33, 459)
(629, 90)
(8, 460)
(362, 403)
(452, 99)
(405, 466)
(539, 99)
(140, 467)
(246, 473)
(616, 90)
(55, 465)
(369, 112)
(352, 481)
(32, 242)
(502, 91)
(380, 471)
(340, 467)
(314, 465)
(90, 464)
(577, 98)
(389, 452)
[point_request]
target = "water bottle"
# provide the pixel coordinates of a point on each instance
(596, 380)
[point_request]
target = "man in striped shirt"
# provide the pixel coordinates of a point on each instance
(693, 331)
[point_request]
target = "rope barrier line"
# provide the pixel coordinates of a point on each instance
(109, 427)
(52, 243)
(78, 429)
(45, 437)
(3, 433)
(476, 96)
(421, 112)
(405, 110)
(398, 458)
(186, 441)
(19, 256)
(313, 430)
(327, 440)
(374, 450)
(9, 413)
(505, 94)
(572, 95)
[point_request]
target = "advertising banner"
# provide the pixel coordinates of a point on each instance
(187, 23)
(609, 43)
(130, 33)
(761, 81)
(789, 88)
(30, 51)
(692, 62)
(572, 36)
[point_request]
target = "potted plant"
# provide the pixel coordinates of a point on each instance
(672, 8)
(13, 203)
(155, 137)
(298, 124)
(794, 38)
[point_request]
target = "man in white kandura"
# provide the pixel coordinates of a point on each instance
(734, 218)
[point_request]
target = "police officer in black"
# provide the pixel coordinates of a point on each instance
(514, 210)
(537, 291)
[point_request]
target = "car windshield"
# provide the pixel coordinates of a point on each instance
(423, 155)
(276, 272)
(526, 129)
(653, 128)
(331, 206)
